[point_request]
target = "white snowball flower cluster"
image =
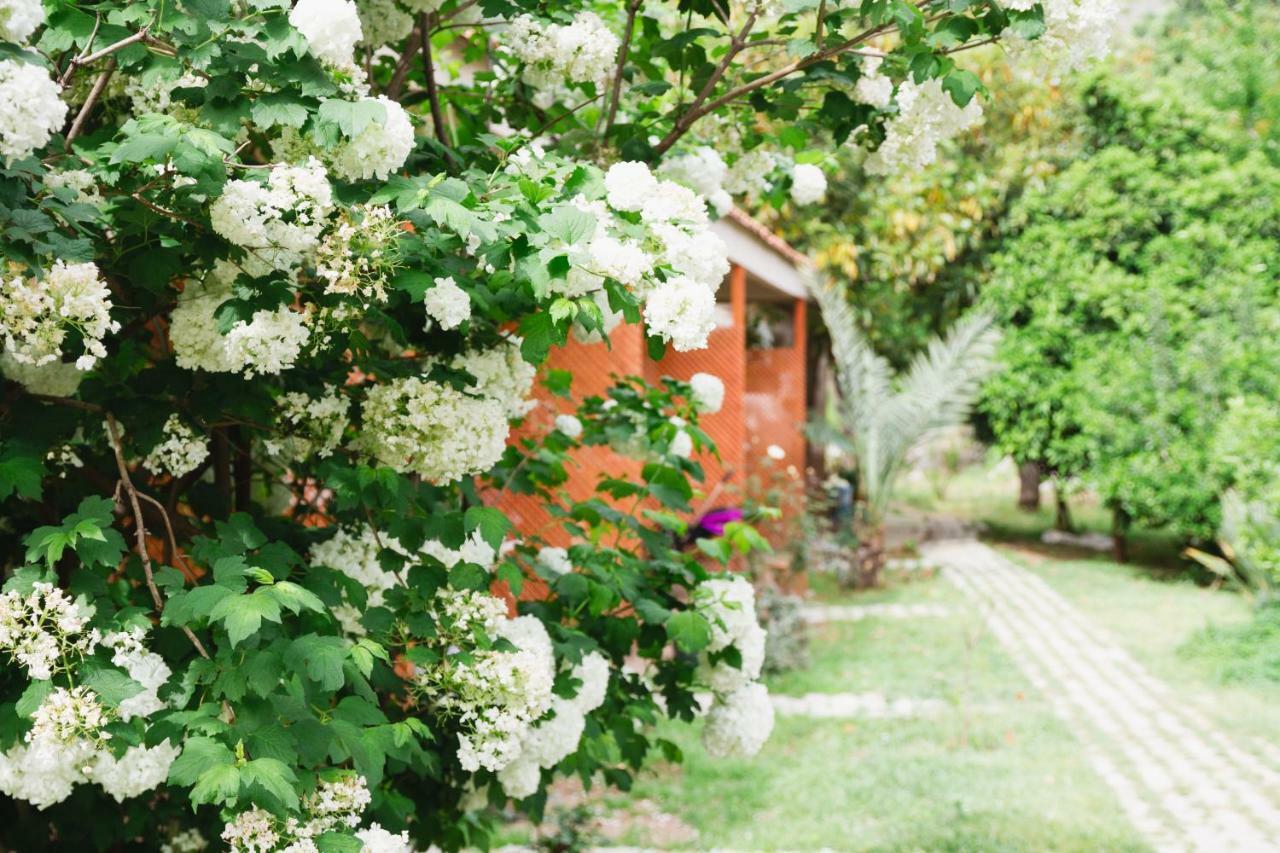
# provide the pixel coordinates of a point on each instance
(496, 695)
(336, 805)
(354, 552)
(735, 724)
(873, 88)
(36, 315)
(708, 392)
(555, 560)
(180, 452)
(375, 839)
(808, 184)
(382, 22)
(682, 311)
(55, 378)
(427, 428)
(313, 425)
(556, 55)
(277, 223)
(331, 28)
(67, 747)
(1077, 33)
(148, 93)
(750, 173)
(569, 425)
(379, 148)
(144, 666)
(502, 375)
(358, 252)
(552, 741)
(139, 770)
(740, 723)
(270, 342)
(447, 304)
(44, 630)
(681, 307)
(19, 19)
(186, 841)
(704, 171)
(927, 117)
(31, 110)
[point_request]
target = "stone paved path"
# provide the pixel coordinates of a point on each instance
(816, 614)
(1180, 779)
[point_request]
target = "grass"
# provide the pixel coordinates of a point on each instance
(995, 772)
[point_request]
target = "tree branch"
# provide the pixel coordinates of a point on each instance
(96, 92)
(140, 529)
(433, 93)
(616, 90)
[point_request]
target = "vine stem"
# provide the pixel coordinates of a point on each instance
(140, 528)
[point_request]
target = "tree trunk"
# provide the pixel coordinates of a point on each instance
(1029, 476)
(1062, 518)
(869, 560)
(1120, 535)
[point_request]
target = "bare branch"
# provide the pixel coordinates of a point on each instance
(616, 91)
(96, 92)
(140, 529)
(433, 94)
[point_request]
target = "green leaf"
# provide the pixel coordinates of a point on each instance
(112, 685)
(568, 223)
(242, 615)
(689, 630)
(295, 598)
(352, 117)
(492, 523)
(278, 108)
(21, 471)
(274, 777)
(961, 85)
(31, 698)
(320, 657)
(220, 784)
(467, 576)
(199, 754)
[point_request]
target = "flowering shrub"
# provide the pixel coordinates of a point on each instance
(276, 285)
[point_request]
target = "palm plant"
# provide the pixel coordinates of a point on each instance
(879, 417)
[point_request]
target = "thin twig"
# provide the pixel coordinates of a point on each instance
(616, 91)
(150, 205)
(91, 58)
(140, 529)
(96, 92)
(405, 61)
(433, 94)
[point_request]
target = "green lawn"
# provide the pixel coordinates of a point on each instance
(996, 771)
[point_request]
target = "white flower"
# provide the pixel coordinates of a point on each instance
(187, 841)
(314, 425)
(193, 330)
(593, 672)
(180, 452)
(682, 311)
(621, 260)
(447, 304)
(808, 184)
(19, 19)
(740, 723)
(144, 666)
(927, 117)
(569, 425)
(379, 148)
(1077, 33)
(701, 255)
(54, 378)
(336, 804)
(681, 445)
(775, 452)
(501, 374)
(251, 831)
(708, 392)
(723, 677)
(873, 88)
(36, 316)
(628, 184)
(555, 560)
(44, 630)
(358, 253)
(277, 223)
(269, 343)
(557, 55)
(331, 28)
(382, 22)
(671, 202)
(729, 605)
(749, 174)
(704, 171)
(433, 430)
(140, 769)
(31, 110)
(375, 839)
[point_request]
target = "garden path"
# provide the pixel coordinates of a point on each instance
(1182, 781)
